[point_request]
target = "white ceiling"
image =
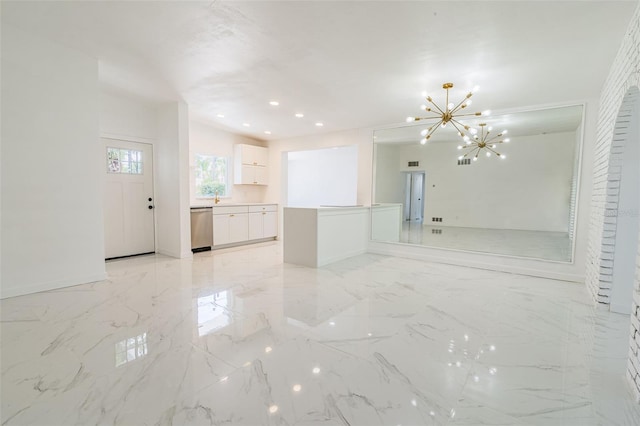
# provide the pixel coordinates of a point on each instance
(348, 64)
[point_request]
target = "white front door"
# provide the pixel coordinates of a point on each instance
(128, 198)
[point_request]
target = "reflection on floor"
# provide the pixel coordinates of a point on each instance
(537, 244)
(240, 338)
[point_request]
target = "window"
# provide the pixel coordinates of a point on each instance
(212, 176)
(127, 161)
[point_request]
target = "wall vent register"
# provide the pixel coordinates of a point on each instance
(464, 162)
(413, 164)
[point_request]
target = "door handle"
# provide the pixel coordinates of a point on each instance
(150, 207)
(150, 199)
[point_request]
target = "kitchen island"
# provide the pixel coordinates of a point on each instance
(316, 236)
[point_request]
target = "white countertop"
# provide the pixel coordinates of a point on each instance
(233, 205)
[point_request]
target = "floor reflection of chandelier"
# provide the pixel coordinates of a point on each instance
(449, 114)
(483, 142)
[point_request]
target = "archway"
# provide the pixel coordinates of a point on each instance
(623, 201)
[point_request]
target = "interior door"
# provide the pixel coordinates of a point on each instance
(413, 207)
(128, 198)
(417, 196)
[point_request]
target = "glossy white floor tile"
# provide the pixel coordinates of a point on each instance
(239, 338)
(556, 246)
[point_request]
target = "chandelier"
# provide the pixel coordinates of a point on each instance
(483, 142)
(449, 114)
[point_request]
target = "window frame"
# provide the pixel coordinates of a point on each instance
(227, 177)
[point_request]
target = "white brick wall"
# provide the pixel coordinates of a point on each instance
(619, 93)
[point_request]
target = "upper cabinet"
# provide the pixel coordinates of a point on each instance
(250, 165)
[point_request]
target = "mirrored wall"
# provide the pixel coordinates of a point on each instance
(522, 205)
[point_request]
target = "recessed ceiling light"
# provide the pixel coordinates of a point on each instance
(274, 103)
(267, 132)
(220, 115)
(319, 124)
(299, 115)
(246, 124)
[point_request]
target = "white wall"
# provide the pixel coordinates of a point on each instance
(52, 229)
(172, 176)
(529, 190)
(208, 140)
(126, 118)
(326, 176)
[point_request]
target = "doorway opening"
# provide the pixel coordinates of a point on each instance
(413, 199)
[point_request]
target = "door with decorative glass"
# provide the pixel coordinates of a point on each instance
(128, 198)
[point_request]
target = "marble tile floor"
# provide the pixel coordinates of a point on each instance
(555, 246)
(239, 338)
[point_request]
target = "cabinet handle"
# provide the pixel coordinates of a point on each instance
(264, 213)
(231, 215)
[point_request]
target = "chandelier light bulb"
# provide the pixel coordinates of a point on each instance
(410, 119)
(503, 156)
(489, 128)
(466, 138)
(450, 105)
(493, 146)
(475, 158)
(507, 140)
(443, 125)
(423, 141)
(473, 131)
(486, 112)
(459, 146)
(424, 132)
(461, 157)
(469, 101)
(504, 132)
(475, 89)
(488, 154)
(423, 107)
(425, 94)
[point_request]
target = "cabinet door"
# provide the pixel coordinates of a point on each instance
(261, 175)
(238, 227)
(260, 156)
(256, 227)
(270, 224)
(220, 229)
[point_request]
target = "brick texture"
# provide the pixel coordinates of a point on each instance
(620, 94)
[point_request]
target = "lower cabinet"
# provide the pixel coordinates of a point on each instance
(239, 224)
(263, 225)
(230, 228)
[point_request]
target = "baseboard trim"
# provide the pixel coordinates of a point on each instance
(51, 285)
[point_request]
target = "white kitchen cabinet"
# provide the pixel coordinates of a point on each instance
(250, 175)
(251, 154)
(230, 225)
(250, 165)
(263, 221)
(238, 224)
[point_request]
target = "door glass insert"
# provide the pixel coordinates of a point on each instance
(128, 161)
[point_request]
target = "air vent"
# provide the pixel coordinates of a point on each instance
(436, 219)
(413, 164)
(436, 231)
(464, 162)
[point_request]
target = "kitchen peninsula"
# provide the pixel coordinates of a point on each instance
(316, 236)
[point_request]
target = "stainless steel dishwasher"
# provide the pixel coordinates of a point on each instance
(201, 228)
